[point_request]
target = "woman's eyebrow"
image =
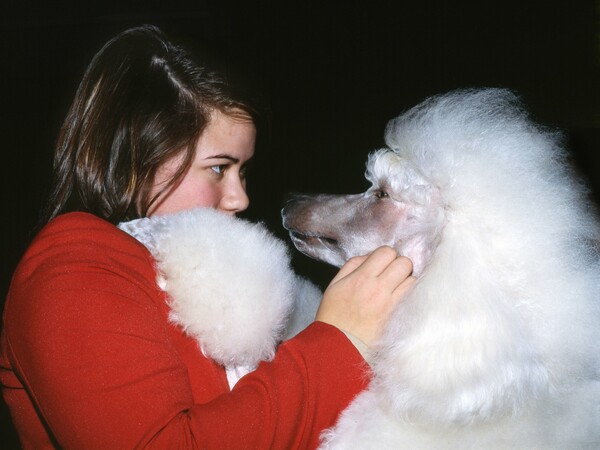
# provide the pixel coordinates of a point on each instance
(224, 156)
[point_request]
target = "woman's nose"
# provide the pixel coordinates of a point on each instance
(235, 199)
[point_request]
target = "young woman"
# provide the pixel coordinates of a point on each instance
(90, 355)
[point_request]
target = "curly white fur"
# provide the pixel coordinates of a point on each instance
(498, 345)
(229, 282)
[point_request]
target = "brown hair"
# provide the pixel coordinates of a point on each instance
(142, 100)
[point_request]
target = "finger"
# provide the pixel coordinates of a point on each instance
(404, 287)
(396, 272)
(376, 263)
(351, 265)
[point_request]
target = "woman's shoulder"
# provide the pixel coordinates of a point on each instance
(85, 228)
(79, 222)
(77, 218)
(84, 239)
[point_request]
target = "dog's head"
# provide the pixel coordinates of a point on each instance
(401, 209)
(436, 153)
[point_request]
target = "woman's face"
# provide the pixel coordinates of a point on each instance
(216, 176)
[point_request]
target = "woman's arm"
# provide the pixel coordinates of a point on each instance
(85, 335)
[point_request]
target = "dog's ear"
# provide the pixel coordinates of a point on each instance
(457, 349)
(422, 227)
(419, 249)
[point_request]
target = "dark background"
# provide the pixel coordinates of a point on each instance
(332, 74)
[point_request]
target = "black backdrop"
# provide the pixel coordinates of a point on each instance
(332, 74)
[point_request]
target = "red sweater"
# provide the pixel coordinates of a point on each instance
(89, 359)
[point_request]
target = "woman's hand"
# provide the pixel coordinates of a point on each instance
(365, 291)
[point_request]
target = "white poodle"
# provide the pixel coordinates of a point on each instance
(498, 344)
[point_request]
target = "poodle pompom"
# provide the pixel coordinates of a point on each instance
(229, 281)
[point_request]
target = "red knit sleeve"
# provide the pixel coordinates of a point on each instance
(286, 403)
(85, 336)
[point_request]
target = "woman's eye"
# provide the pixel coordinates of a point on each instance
(381, 194)
(220, 170)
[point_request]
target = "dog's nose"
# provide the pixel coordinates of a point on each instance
(292, 202)
(289, 201)
(292, 199)
(296, 196)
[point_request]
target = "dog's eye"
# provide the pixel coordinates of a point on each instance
(381, 194)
